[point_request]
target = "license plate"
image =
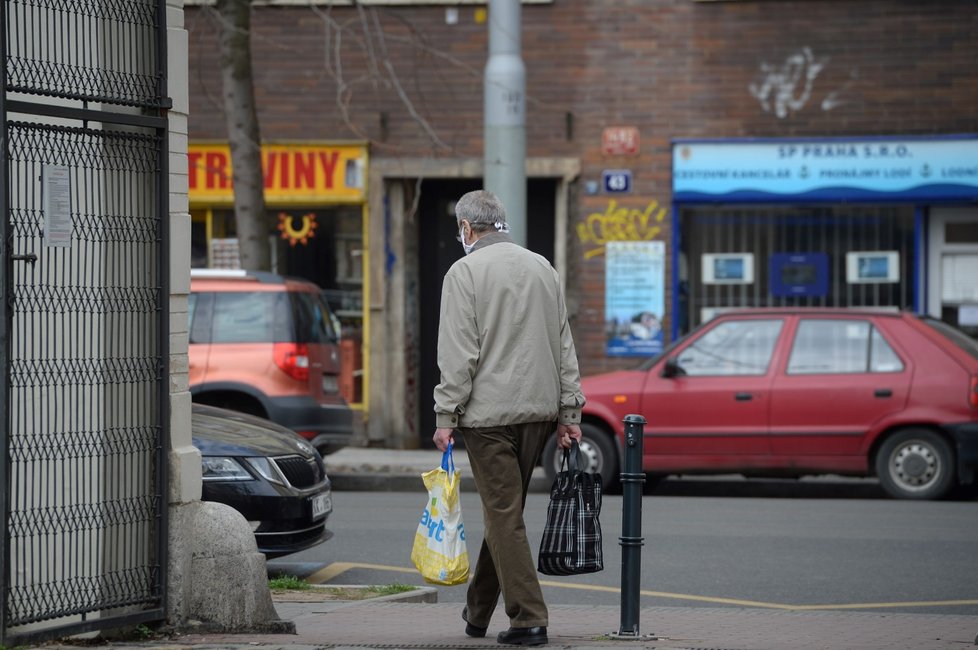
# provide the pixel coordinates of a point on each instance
(330, 385)
(321, 506)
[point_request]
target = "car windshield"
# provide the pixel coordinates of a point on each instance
(956, 336)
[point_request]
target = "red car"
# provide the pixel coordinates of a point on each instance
(796, 391)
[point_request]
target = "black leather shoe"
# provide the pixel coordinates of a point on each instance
(472, 630)
(523, 636)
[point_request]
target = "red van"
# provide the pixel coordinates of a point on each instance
(799, 391)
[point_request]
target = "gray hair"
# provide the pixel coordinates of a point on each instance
(483, 210)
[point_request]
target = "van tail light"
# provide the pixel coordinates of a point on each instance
(293, 359)
(973, 395)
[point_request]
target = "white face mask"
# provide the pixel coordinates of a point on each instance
(461, 237)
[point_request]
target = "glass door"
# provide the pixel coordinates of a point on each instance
(953, 287)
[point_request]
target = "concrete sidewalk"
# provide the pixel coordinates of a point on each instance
(393, 624)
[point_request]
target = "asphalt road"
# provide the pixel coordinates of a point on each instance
(816, 550)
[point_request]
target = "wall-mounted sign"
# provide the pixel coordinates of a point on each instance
(617, 181)
(799, 274)
(619, 141)
(294, 173)
(56, 205)
(297, 229)
(818, 170)
(634, 297)
(872, 267)
(728, 268)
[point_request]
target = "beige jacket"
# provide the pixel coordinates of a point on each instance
(505, 349)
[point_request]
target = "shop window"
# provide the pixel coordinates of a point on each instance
(198, 239)
(961, 233)
(321, 244)
(793, 256)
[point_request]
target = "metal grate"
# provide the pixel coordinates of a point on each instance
(85, 369)
(764, 231)
(93, 50)
(300, 472)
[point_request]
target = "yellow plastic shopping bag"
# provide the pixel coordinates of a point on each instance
(439, 551)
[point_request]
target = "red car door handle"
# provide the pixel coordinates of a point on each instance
(743, 397)
(883, 392)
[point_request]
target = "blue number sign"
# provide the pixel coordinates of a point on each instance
(617, 181)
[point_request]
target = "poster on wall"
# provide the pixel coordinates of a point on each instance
(634, 297)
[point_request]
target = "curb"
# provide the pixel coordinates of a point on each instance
(419, 594)
(351, 482)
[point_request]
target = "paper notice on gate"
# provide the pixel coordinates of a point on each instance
(56, 204)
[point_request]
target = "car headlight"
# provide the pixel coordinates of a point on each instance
(267, 470)
(220, 468)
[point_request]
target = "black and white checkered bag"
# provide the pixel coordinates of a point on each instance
(571, 541)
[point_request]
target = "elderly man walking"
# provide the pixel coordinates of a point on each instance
(509, 375)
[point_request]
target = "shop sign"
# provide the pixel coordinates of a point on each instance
(294, 173)
(619, 141)
(831, 169)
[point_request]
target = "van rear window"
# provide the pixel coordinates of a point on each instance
(313, 320)
(956, 336)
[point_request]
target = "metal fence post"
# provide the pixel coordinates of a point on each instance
(631, 540)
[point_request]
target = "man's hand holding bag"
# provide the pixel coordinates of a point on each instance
(571, 541)
(439, 550)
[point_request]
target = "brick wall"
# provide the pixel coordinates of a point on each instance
(672, 68)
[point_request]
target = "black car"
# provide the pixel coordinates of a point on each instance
(267, 473)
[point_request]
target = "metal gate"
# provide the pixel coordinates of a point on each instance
(84, 326)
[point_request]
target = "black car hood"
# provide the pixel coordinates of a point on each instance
(218, 432)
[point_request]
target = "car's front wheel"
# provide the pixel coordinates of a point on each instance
(916, 464)
(597, 451)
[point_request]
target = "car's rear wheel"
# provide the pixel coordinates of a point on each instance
(597, 451)
(916, 464)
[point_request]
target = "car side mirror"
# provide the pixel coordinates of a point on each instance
(672, 368)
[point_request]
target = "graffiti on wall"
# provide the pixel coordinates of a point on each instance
(620, 223)
(790, 85)
(787, 86)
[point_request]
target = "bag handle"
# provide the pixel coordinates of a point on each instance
(447, 460)
(571, 458)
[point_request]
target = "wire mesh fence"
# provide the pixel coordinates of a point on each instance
(94, 50)
(85, 367)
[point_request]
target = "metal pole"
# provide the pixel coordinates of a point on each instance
(505, 115)
(631, 539)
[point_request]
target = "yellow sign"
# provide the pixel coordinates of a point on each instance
(300, 235)
(294, 173)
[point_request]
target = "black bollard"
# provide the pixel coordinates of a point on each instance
(631, 539)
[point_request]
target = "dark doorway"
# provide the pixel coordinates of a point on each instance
(438, 250)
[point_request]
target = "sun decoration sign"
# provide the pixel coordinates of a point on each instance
(300, 235)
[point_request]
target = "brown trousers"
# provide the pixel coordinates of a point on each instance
(502, 460)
